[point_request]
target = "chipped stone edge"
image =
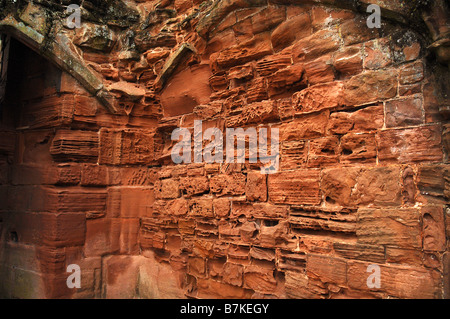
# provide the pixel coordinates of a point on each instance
(172, 62)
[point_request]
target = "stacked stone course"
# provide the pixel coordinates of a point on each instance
(364, 150)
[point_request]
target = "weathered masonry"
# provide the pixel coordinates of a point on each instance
(86, 176)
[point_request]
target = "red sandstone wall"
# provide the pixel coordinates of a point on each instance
(363, 166)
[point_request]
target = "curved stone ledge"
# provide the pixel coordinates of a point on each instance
(424, 16)
(397, 10)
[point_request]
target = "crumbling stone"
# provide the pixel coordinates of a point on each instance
(87, 178)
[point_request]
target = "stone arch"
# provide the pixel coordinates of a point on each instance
(61, 52)
(430, 18)
(225, 230)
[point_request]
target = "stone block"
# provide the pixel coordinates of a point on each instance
(75, 146)
(421, 144)
(403, 282)
(391, 227)
(404, 112)
(370, 87)
(300, 187)
(129, 202)
(256, 187)
(319, 97)
(228, 185)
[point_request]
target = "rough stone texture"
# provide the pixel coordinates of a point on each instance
(86, 175)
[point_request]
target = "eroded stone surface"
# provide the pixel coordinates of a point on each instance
(364, 147)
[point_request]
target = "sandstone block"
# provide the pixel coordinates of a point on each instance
(167, 188)
(145, 41)
(120, 276)
(226, 185)
(260, 279)
(400, 255)
(316, 45)
(128, 238)
(410, 89)
(67, 229)
(254, 113)
(262, 253)
(94, 175)
(409, 186)
(194, 185)
(221, 207)
(94, 37)
(197, 267)
(421, 144)
(102, 237)
(267, 19)
(303, 220)
(298, 287)
(250, 50)
(233, 274)
(126, 147)
(391, 227)
(296, 187)
(75, 146)
(257, 90)
(202, 207)
(319, 70)
(90, 201)
(256, 187)
(177, 207)
(433, 181)
(242, 72)
(291, 30)
(273, 63)
(336, 185)
(185, 89)
(129, 202)
(318, 97)
(327, 269)
(293, 154)
(397, 281)
(323, 17)
(349, 61)
(368, 119)
(286, 80)
(361, 148)
(356, 31)
(361, 252)
(275, 234)
(433, 228)
(404, 112)
(132, 176)
(258, 211)
(49, 112)
(323, 151)
(370, 87)
(380, 186)
(412, 73)
(352, 186)
(207, 288)
(85, 106)
(310, 126)
(66, 174)
(432, 100)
